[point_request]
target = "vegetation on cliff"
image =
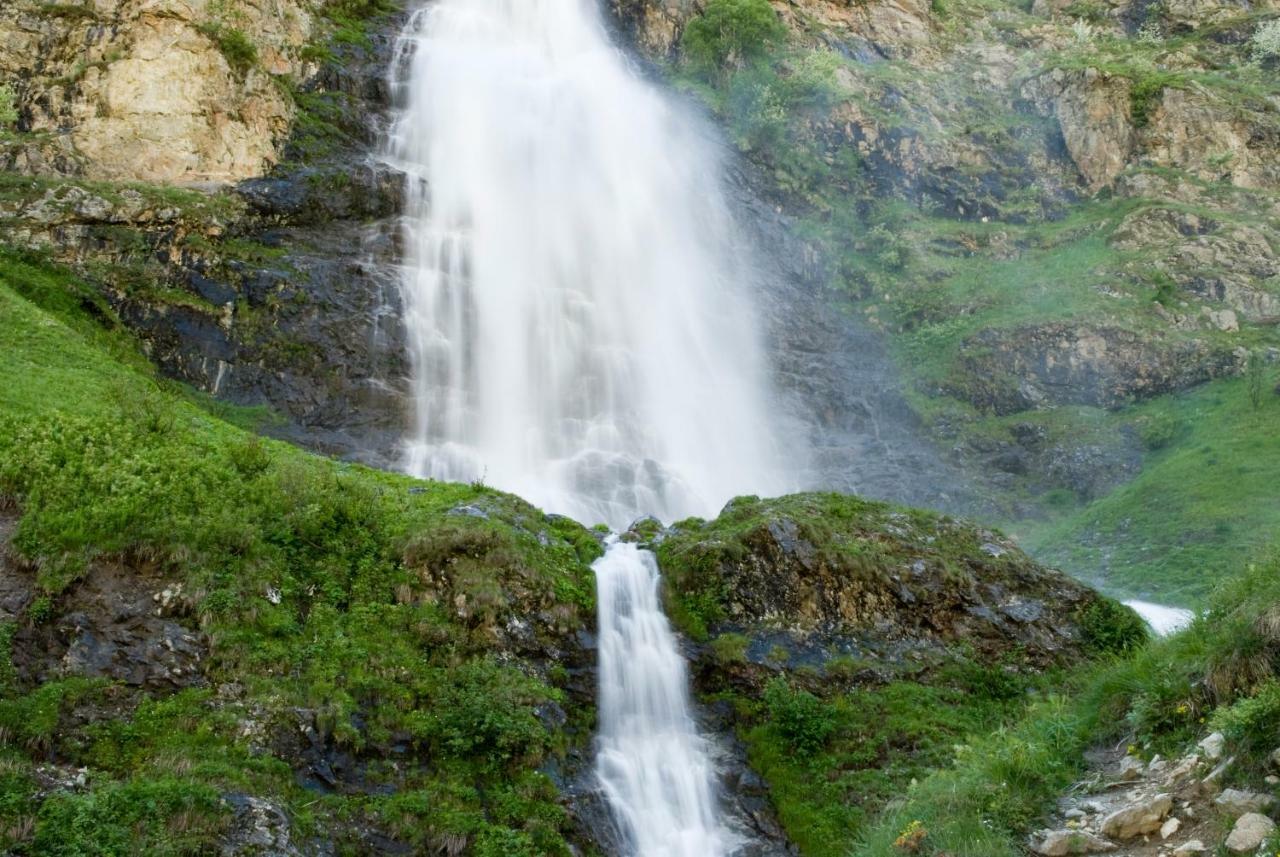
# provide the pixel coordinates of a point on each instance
(408, 629)
(1061, 216)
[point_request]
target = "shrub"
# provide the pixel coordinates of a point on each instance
(1110, 628)
(1252, 722)
(730, 33)
(1265, 44)
(8, 108)
(240, 53)
(1159, 431)
(730, 648)
(802, 719)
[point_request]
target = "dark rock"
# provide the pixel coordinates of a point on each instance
(1008, 371)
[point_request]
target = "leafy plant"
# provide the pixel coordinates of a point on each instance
(730, 33)
(1265, 44)
(8, 107)
(240, 53)
(802, 719)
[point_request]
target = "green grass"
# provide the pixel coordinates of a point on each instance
(1160, 699)
(835, 760)
(385, 626)
(1200, 504)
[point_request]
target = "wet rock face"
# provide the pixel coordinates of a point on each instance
(281, 291)
(1007, 371)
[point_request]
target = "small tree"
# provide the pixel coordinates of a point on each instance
(1266, 42)
(8, 108)
(730, 33)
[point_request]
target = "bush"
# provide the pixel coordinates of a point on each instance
(730, 648)
(240, 53)
(802, 719)
(1110, 628)
(8, 108)
(1252, 722)
(1266, 42)
(730, 33)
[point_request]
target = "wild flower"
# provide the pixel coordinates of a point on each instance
(1266, 41)
(911, 836)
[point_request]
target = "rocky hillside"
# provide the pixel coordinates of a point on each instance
(213, 642)
(206, 166)
(1061, 216)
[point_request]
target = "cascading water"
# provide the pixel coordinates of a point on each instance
(580, 336)
(577, 329)
(651, 760)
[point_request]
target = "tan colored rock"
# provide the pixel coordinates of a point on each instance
(1093, 111)
(1191, 846)
(1060, 843)
(1238, 802)
(141, 91)
(1250, 831)
(1138, 819)
(1194, 131)
(1169, 828)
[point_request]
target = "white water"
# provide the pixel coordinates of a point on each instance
(580, 336)
(1163, 620)
(650, 759)
(577, 326)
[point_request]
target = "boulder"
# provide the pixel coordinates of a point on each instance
(1237, 802)
(1212, 746)
(1250, 831)
(1059, 843)
(1138, 819)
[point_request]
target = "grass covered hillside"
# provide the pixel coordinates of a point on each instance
(1063, 217)
(1220, 675)
(210, 637)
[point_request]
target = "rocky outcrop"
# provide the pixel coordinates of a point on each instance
(1093, 111)
(1007, 371)
(179, 91)
(1195, 131)
(814, 568)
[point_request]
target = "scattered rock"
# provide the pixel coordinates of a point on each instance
(1169, 828)
(1058, 843)
(1237, 802)
(1250, 831)
(1138, 819)
(1212, 746)
(1130, 769)
(1193, 846)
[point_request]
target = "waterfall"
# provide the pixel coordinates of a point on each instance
(651, 761)
(578, 328)
(581, 334)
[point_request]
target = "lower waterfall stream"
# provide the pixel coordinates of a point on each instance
(651, 760)
(580, 334)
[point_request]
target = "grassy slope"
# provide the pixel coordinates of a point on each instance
(1200, 505)
(1220, 674)
(103, 461)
